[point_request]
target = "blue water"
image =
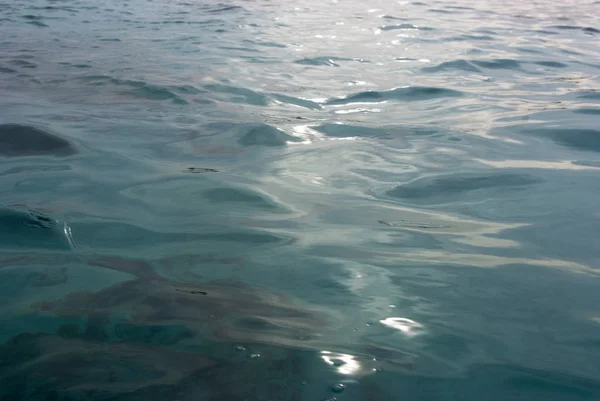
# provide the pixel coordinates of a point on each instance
(272, 200)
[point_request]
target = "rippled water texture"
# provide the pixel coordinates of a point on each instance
(299, 201)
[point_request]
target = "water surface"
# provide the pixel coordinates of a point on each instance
(284, 200)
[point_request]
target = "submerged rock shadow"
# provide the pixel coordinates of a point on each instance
(152, 338)
(223, 309)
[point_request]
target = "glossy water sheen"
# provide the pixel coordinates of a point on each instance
(299, 200)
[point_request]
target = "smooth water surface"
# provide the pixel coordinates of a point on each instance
(299, 200)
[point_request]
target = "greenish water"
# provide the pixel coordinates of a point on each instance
(294, 201)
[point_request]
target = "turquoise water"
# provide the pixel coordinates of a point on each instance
(285, 200)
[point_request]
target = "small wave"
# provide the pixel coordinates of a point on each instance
(116, 235)
(391, 17)
(265, 135)
(586, 111)
(4, 70)
(456, 65)
(537, 164)
(245, 238)
(544, 32)
(23, 63)
(138, 89)
(22, 140)
(529, 50)
(224, 8)
(580, 139)
(498, 64)
(406, 59)
(30, 229)
(585, 29)
(241, 196)
(407, 94)
(71, 240)
(324, 61)
(460, 8)
(412, 224)
(34, 20)
(55, 8)
(266, 44)
(208, 22)
(470, 38)
(241, 49)
(552, 64)
(32, 17)
(589, 94)
(38, 24)
(34, 169)
(153, 92)
(239, 95)
(307, 104)
(345, 131)
(587, 163)
(445, 187)
(477, 65)
(405, 27)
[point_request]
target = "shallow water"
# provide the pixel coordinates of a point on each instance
(268, 200)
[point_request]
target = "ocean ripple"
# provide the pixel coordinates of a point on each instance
(407, 94)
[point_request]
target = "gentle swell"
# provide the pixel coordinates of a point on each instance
(408, 94)
(498, 64)
(265, 135)
(239, 95)
(323, 61)
(579, 139)
(479, 65)
(405, 27)
(586, 29)
(456, 65)
(450, 187)
(138, 89)
(307, 104)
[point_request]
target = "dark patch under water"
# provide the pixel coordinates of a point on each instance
(153, 300)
